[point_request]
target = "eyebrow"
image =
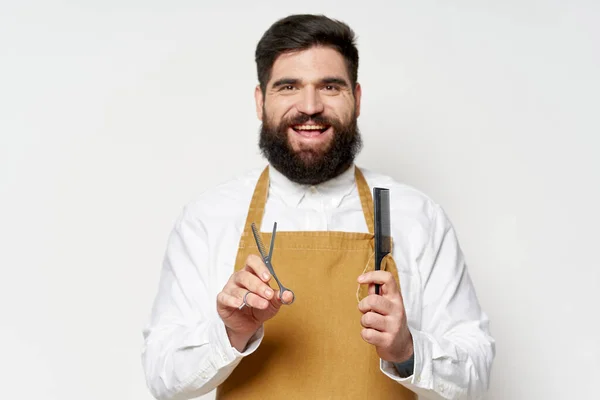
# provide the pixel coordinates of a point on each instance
(285, 81)
(326, 81)
(335, 80)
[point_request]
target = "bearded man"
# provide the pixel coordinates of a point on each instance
(220, 319)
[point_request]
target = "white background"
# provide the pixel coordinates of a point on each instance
(114, 114)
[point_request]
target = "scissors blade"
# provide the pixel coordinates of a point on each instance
(272, 240)
(259, 243)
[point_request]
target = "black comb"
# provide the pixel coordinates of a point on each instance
(383, 230)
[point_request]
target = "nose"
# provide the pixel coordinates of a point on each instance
(309, 102)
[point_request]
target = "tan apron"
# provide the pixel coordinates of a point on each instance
(312, 349)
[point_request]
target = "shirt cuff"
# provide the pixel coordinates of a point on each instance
(231, 354)
(420, 377)
(252, 345)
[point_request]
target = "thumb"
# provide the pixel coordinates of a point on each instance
(286, 298)
(278, 299)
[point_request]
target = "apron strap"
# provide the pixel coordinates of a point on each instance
(366, 199)
(257, 206)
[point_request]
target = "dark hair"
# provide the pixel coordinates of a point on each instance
(301, 32)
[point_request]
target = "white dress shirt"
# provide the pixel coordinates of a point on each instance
(187, 352)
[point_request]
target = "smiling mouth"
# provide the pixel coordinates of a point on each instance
(310, 130)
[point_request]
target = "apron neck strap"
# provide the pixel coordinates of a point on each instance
(366, 199)
(261, 190)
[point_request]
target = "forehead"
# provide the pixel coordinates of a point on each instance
(311, 64)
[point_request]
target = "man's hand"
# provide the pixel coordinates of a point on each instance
(262, 302)
(384, 318)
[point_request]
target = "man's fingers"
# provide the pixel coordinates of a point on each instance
(376, 338)
(383, 278)
(251, 282)
(380, 277)
(287, 296)
(236, 299)
(371, 288)
(227, 300)
(256, 265)
(379, 304)
(374, 321)
(254, 278)
(252, 299)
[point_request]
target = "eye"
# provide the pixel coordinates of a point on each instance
(287, 88)
(331, 88)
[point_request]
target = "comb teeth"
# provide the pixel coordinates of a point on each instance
(385, 222)
(261, 246)
(382, 220)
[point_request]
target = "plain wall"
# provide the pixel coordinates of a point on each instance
(114, 114)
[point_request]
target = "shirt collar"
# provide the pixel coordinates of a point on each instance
(292, 193)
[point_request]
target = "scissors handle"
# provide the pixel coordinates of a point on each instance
(282, 288)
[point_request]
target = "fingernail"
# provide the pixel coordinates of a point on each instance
(268, 292)
(361, 278)
(265, 276)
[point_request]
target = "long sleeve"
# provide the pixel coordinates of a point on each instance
(186, 350)
(453, 348)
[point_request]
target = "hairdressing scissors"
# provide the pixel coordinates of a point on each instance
(267, 259)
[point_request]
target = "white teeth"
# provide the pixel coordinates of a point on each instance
(309, 127)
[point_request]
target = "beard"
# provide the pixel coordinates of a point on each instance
(310, 165)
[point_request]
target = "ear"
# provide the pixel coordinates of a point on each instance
(357, 98)
(259, 100)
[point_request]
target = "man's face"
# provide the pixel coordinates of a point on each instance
(309, 114)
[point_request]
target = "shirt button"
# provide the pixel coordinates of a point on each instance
(313, 189)
(204, 376)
